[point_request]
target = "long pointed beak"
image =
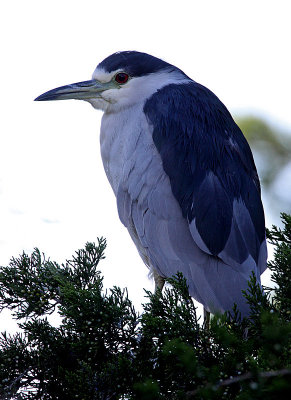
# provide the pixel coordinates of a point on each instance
(79, 91)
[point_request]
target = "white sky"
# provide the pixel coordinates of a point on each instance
(53, 191)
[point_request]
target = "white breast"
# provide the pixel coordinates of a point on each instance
(134, 169)
(119, 137)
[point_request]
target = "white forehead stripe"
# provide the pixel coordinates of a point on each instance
(102, 76)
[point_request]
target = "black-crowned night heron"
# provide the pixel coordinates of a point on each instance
(183, 174)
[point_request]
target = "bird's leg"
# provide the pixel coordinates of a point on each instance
(159, 281)
(206, 315)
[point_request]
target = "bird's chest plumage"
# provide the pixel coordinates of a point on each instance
(135, 171)
(127, 148)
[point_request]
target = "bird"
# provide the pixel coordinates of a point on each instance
(183, 174)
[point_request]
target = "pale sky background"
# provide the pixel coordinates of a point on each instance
(53, 191)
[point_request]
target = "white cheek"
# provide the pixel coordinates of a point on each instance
(114, 95)
(130, 94)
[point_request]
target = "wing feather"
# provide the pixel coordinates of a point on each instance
(211, 171)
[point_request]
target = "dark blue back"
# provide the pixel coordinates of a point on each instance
(209, 163)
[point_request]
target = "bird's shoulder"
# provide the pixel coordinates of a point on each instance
(192, 115)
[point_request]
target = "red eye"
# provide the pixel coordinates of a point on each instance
(121, 78)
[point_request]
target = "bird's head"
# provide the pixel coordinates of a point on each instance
(120, 81)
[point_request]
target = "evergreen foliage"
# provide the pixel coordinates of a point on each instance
(104, 350)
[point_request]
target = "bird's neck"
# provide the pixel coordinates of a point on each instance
(119, 135)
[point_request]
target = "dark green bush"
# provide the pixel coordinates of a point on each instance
(104, 350)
